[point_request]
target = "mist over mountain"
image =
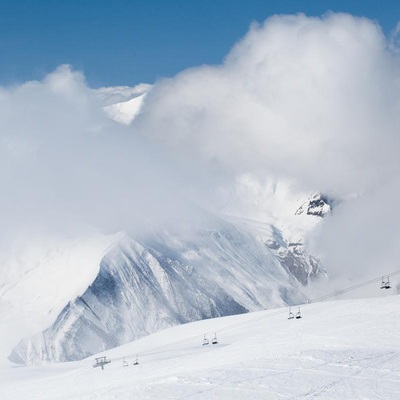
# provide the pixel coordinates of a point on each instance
(310, 104)
(174, 276)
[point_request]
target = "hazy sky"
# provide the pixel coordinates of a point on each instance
(123, 42)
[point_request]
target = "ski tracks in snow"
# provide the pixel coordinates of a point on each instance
(376, 360)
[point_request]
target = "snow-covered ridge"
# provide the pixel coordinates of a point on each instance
(292, 255)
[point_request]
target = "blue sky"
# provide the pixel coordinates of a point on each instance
(124, 42)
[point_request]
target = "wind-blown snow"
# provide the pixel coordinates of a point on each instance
(338, 350)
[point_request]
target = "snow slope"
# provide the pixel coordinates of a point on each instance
(339, 350)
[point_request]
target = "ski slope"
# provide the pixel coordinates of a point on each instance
(346, 349)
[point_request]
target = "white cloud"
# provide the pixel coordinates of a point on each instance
(314, 101)
(301, 97)
(63, 163)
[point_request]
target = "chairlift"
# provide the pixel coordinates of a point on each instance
(385, 283)
(298, 314)
(101, 362)
(291, 315)
(215, 340)
(124, 362)
(205, 340)
(136, 361)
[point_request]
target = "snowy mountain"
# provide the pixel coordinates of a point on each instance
(318, 205)
(260, 355)
(123, 103)
(292, 255)
(138, 284)
(172, 277)
(284, 235)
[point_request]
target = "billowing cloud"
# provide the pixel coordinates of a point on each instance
(70, 179)
(63, 163)
(314, 99)
(310, 101)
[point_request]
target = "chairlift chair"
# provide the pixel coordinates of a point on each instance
(385, 283)
(124, 362)
(298, 314)
(205, 341)
(136, 361)
(291, 315)
(215, 340)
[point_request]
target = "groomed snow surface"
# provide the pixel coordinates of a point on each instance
(346, 349)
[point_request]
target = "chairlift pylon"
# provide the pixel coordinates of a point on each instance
(215, 340)
(385, 283)
(205, 340)
(101, 362)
